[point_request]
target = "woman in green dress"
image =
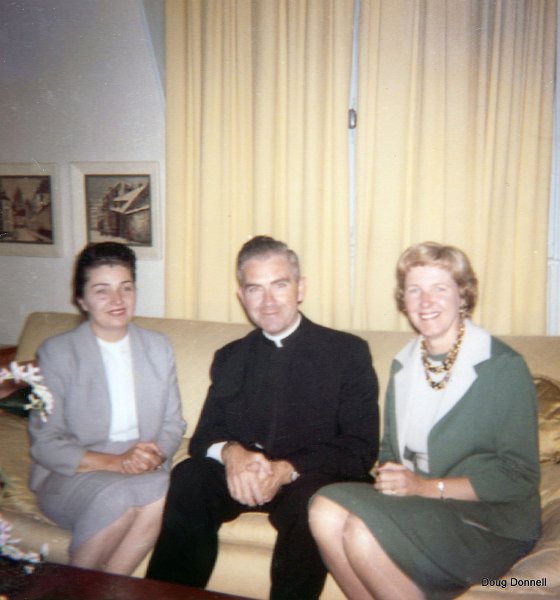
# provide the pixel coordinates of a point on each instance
(456, 498)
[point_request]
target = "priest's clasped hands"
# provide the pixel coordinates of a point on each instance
(252, 479)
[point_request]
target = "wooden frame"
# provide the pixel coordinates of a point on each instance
(30, 210)
(118, 201)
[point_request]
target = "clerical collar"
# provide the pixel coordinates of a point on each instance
(277, 339)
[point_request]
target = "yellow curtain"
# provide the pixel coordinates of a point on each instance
(257, 98)
(454, 145)
(209, 129)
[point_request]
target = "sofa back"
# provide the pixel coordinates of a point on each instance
(195, 342)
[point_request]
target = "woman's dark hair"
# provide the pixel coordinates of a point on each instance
(99, 255)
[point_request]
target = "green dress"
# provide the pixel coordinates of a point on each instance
(490, 436)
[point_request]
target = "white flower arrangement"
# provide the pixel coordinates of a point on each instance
(8, 546)
(40, 399)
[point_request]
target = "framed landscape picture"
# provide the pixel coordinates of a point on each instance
(118, 202)
(29, 210)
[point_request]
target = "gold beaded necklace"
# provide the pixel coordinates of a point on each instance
(446, 366)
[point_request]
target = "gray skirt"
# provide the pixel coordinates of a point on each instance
(428, 539)
(87, 503)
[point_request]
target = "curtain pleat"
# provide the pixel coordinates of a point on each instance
(209, 132)
(264, 97)
(454, 146)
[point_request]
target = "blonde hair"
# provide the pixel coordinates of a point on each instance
(449, 258)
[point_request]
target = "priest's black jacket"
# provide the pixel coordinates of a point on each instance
(313, 402)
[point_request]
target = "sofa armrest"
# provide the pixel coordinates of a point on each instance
(543, 561)
(33, 533)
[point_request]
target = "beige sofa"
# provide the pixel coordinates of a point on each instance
(246, 543)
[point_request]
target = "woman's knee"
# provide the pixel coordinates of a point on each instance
(358, 536)
(153, 510)
(148, 518)
(326, 515)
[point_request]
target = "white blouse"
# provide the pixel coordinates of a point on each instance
(424, 412)
(117, 359)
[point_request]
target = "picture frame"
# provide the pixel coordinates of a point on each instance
(118, 201)
(30, 210)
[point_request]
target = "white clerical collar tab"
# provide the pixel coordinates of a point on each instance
(277, 339)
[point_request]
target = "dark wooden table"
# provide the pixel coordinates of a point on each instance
(62, 582)
(7, 353)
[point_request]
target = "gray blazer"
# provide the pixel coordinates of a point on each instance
(72, 367)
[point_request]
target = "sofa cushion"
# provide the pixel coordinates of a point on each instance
(544, 560)
(548, 394)
(17, 496)
(34, 532)
(182, 452)
(550, 484)
(249, 529)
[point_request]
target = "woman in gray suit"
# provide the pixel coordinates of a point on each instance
(101, 461)
(456, 499)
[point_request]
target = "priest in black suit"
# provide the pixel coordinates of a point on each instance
(292, 406)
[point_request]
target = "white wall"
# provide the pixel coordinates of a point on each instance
(80, 81)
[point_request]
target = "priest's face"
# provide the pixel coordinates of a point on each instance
(270, 293)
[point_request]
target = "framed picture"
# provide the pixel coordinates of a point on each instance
(30, 210)
(117, 202)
